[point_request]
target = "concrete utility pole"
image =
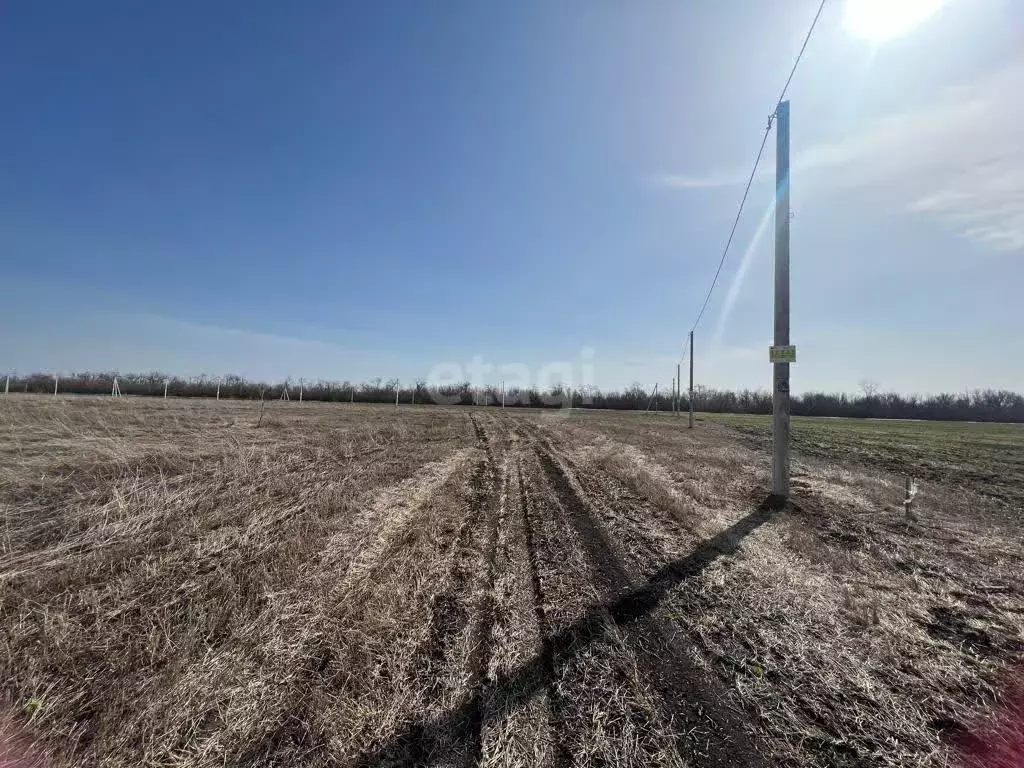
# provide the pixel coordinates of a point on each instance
(654, 394)
(679, 388)
(781, 353)
(691, 380)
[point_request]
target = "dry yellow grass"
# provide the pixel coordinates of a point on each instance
(362, 585)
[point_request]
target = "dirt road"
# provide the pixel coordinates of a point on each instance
(545, 645)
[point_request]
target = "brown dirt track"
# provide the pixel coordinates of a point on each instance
(358, 585)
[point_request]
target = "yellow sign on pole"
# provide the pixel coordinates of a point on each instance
(786, 354)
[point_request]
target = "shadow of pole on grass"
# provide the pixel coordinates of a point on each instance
(513, 690)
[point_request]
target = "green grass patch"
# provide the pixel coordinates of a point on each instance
(985, 457)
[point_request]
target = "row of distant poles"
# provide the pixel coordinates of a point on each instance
(677, 392)
(115, 389)
(480, 394)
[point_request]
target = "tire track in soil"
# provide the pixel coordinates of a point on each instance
(640, 519)
(600, 715)
(709, 735)
(562, 756)
(488, 495)
(453, 609)
(297, 732)
(377, 536)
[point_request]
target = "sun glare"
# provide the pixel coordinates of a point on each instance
(881, 20)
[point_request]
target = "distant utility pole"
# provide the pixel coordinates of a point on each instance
(7, 384)
(654, 394)
(679, 388)
(165, 389)
(781, 353)
(56, 382)
(300, 390)
(218, 391)
(398, 388)
(691, 380)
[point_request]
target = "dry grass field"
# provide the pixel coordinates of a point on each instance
(368, 585)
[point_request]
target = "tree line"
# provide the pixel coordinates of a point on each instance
(976, 405)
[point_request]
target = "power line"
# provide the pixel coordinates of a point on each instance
(686, 349)
(735, 224)
(800, 55)
(753, 172)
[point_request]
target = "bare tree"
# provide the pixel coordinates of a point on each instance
(869, 387)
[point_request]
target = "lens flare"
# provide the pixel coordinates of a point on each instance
(881, 20)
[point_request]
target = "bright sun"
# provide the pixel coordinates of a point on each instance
(880, 20)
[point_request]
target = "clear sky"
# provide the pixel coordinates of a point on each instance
(353, 190)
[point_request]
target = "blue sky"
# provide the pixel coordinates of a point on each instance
(352, 190)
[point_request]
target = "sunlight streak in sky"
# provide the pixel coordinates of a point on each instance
(737, 280)
(880, 20)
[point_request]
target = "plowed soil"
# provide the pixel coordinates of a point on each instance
(361, 585)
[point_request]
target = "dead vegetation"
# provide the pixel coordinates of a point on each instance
(365, 585)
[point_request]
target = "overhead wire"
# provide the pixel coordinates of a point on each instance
(753, 172)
